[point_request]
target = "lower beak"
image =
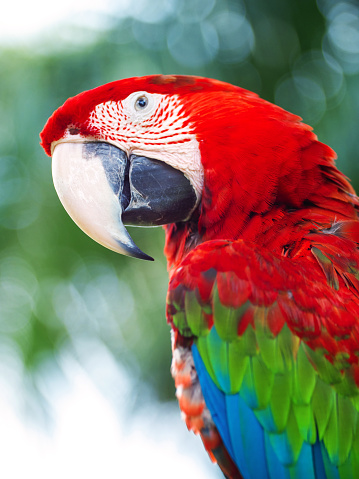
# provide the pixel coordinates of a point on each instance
(100, 187)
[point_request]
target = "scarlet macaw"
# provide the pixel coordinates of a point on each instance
(262, 234)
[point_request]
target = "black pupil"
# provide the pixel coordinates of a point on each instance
(142, 102)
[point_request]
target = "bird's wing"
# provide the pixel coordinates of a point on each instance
(275, 344)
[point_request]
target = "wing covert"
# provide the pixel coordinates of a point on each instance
(280, 342)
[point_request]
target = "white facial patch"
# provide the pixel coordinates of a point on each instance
(155, 126)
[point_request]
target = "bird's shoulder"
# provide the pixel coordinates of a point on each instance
(244, 290)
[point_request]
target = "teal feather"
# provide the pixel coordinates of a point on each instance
(274, 424)
(275, 467)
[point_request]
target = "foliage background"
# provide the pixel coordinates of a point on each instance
(67, 304)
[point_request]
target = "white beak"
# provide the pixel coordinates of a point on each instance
(84, 190)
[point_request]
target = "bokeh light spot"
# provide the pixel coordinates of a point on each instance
(150, 36)
(343, 35)
(303, 96)
(193, 45)
(18, 286)
(325, 71)
(236, 37)
(194, 11)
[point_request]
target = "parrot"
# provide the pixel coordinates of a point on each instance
(261, 241)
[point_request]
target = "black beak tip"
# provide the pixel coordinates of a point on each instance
(135, 252)
(146, 257)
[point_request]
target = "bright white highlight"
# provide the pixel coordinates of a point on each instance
(20, 20)
(93, 436)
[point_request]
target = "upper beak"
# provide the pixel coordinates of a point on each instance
(101, 188)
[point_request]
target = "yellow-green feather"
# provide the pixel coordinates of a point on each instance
(296, 393)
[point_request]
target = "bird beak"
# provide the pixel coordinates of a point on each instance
(101, 188)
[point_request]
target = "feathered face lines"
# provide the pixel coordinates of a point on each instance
(144, 123)
(203, 128)
(151, 126)
(77, 110)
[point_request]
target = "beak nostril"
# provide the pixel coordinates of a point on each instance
(74, 131)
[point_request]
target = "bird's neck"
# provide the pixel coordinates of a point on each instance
(282, 231)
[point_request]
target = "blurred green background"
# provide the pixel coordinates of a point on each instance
(84, 345)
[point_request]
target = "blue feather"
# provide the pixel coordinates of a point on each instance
(282, 447)
(318, 461)
(215, 400)
(275, 467)
(331, 471)
(219, 350)
(304, 466)
(252, 438)
(257, 453)
(239, 428)
(236, 434)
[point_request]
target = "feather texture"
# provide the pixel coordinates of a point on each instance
(289, 397)
(264, 275)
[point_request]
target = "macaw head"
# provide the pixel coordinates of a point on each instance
(174, 150)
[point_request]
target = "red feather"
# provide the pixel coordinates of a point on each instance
(275, 236)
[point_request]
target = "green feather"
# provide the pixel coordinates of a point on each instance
(180, 321)
(322, 405)
(288, 345)
(294, 437)
(330, 437)
(217, 355)
(196, 319)
(224, 318)
(347, 420)
(222, 356)
(346, 470)
(338, 437)
(353, 459)
(350, 469)
(281, 399)
(305, 421)
(330, 473)
(270, 351)
(227, 319)
(249, 342)
(203, 349)
(347, 387)
(305, 378)
(288, 444)
(265, 417)
(238, 363)
(326, 370)
(247, 391)
(263, 379)
(228, 360)
(355, 449)
(277, 352)
(292, 389)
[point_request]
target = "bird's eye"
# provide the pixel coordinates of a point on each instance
(141, 103)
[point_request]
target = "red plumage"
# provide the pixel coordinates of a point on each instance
(267, 181)
(273, 242)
